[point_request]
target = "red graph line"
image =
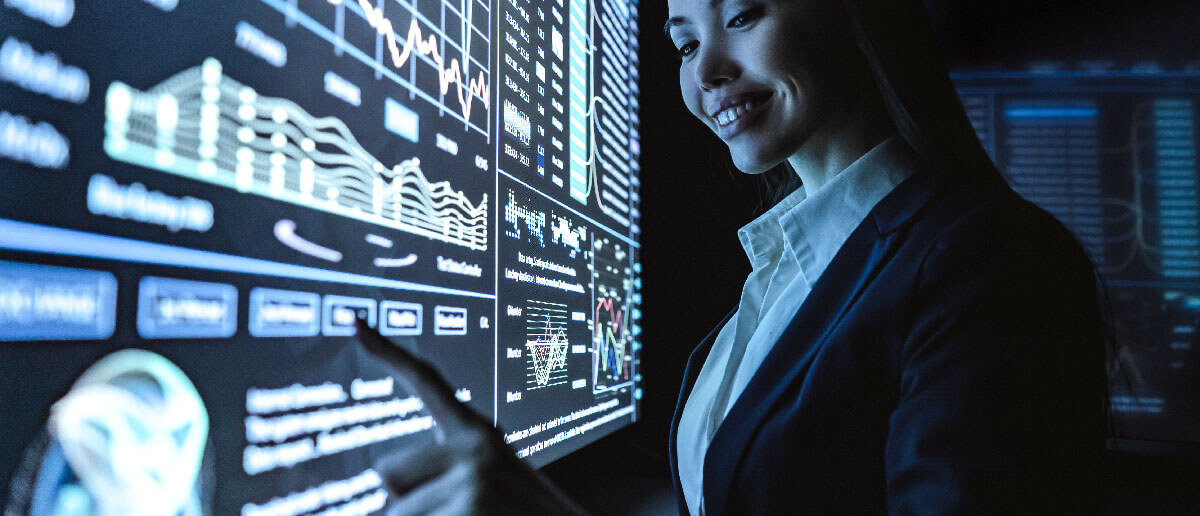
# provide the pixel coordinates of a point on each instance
(614, 315)
(612, 336)
(447, 75)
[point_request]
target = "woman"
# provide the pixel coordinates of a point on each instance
(914, 338)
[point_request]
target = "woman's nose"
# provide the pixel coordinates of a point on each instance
(715, 67)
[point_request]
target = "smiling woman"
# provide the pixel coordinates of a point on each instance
(776, 81)
(886, 354)
(914, 338)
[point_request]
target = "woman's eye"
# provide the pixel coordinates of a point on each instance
(745, 17)
(686, 49)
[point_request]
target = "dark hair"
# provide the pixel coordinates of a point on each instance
(896, 39)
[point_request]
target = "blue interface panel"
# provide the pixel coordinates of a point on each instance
(198, 199)
(1111, 151)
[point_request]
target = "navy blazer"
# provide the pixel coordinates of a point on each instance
(948, 361)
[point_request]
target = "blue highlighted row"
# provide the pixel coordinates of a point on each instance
(1053, 112)
(42, 302)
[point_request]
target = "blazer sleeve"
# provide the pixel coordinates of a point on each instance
(1000, 403)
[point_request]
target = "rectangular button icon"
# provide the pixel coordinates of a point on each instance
(284, 313)
(174, 308)
(398, 119)
(449, 320)
(341, 311)
(399, 318)
(41, 302)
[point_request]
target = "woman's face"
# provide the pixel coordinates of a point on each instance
(762, 74)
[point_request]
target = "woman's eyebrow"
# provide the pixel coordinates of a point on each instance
(680, 20)
(672, 22)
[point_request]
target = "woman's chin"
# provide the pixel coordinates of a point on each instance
(752, 166)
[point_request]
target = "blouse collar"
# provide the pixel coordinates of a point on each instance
(813, 227)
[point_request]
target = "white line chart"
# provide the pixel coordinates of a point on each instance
(546, 343)
(404, 50)
(206, 126)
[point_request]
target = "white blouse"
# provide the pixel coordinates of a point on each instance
(789, 247)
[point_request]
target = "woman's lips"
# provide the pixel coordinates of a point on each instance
(737, 118)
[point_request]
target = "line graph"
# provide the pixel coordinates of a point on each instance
(546, 344)
(464, 79)
(448, 73)
(611, 273)
(206, 126)
(609, 356)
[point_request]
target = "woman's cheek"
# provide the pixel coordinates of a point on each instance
(691, 98)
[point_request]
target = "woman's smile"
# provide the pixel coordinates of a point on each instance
(735, 113)
(764, 75)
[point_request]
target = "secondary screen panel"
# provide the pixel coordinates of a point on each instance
(1109, 149)
(199, 198)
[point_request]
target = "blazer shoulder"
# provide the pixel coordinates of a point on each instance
(996, 220)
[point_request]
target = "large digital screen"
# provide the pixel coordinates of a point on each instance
(1109, 148)
(199, 197)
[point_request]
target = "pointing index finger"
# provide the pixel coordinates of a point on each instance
(419, 378)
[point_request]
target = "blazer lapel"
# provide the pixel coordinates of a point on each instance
(856, 264)
(694, 364)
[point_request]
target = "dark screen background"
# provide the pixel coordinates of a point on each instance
(252, 175)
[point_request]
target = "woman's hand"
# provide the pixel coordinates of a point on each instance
(470, 470)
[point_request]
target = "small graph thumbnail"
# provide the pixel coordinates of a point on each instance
(529, 224)
(546, 344)
(611, 343)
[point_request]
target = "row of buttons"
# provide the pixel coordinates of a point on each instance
(285, 313)
(41, 302)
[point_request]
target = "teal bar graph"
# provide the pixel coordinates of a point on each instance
(577, 51)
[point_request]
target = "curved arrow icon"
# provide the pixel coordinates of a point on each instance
(396, 262)
(285, 232)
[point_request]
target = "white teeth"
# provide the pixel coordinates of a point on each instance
(729, 114)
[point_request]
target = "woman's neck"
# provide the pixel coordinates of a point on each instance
(843, 139)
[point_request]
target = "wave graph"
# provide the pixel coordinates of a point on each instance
(206, 126)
